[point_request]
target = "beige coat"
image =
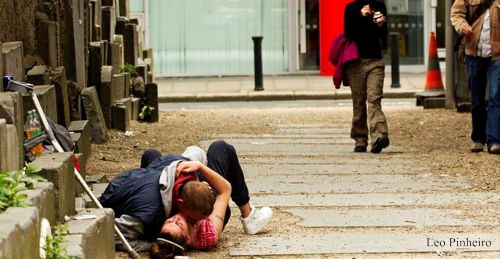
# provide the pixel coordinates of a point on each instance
(458, 13)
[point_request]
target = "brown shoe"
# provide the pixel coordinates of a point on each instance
(477, 147)
(494, 149)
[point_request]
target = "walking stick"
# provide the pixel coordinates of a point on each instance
(28, 89)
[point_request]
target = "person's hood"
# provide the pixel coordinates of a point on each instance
(195, 153)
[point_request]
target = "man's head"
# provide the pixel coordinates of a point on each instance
(196, 201)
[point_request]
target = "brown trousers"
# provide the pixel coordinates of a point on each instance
(366, 77)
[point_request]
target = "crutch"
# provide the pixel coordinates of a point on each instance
(26, 88)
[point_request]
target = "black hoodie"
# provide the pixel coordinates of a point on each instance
(369, 37)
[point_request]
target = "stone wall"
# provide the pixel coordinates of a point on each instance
(17, 22)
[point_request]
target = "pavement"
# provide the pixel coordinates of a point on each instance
(276, 87)
(330, 202)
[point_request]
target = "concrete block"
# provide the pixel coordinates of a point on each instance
(58, 80)
(43, 197)
(121, 117)
(47, 45)
(124, 8)
(13, 158)
(13, 60)
(106, 94)
(152, 100)
(74, 51)
(20, 233)
(98, 129)
(136, 102)
(108, 22)
(3, 146)
(11, 109)
(96, 61)
(58, 168)
(82, 161)
(115, 57)
(130, 40)
(38, 75)
(82, 145)
(118, 86)
(47, 97)
(94, 237)
(434, 103)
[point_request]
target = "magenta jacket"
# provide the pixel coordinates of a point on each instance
(342, 51)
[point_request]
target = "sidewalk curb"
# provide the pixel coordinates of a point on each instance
(271, 96)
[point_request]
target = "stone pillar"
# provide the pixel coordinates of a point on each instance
(47, 96)
(83, 144)
(121, 117)
(47, 42)
(3, 146)
(11, 109)
(13, 60)
(106, 94)
(58, 168)
(38, 75)
(118, 86)
(152, 100)
(94, 115)
(74, 48)
(130, 41)
(58, 79)
(124, 8)
(115, 57)
(108, 23)
(120, 25)
(96, 61)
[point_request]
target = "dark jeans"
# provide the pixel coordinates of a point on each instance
(222, 158)
(485, 123)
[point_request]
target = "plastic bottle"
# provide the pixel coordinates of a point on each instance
(28, 129)
(37, 130)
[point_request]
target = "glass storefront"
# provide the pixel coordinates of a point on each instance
(406, 17)
(199, 37)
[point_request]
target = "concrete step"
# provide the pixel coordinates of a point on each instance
(91, 234)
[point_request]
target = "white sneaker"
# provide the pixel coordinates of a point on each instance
(257, 219)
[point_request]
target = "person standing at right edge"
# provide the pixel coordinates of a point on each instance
(365, 24)
(478, 21)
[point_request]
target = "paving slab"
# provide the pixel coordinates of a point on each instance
(364, 243)
(356, 159)
(374, 199)
(267, 141)
(421, 217)
(298, 149)
(325, 131)
(340, 124)
(285, 136)
(350, 183)
(303, 169)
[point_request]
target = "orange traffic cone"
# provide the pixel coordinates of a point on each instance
(434, 82)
